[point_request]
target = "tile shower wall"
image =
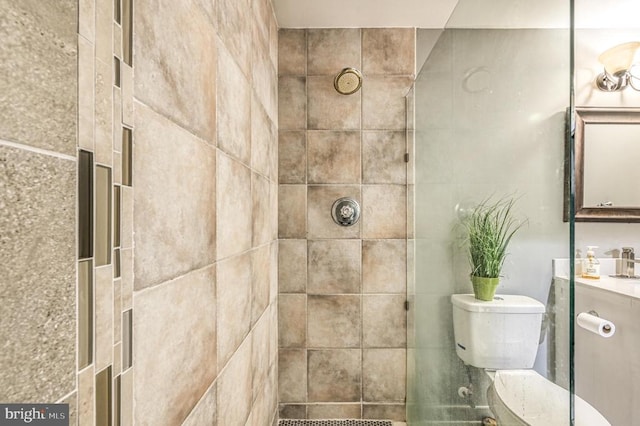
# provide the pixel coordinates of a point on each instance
(169, 271)
(38, 63)
(342, 291)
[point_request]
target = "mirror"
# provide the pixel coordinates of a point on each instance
(607, 165)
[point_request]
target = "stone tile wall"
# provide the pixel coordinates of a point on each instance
(172, 171)
(342, 291)
(38, 85)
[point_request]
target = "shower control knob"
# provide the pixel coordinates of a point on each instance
(345, 211)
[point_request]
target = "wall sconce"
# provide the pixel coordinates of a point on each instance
(618, 66)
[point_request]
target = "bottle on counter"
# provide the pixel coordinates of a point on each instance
(591, 265)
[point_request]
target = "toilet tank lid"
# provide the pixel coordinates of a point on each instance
(501, 303)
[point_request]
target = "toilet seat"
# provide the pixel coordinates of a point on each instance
(524, 397)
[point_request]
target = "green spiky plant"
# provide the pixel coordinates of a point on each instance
(490, 228)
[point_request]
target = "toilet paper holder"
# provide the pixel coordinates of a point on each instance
(606, 327)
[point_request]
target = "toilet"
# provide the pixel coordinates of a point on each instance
(502, 337)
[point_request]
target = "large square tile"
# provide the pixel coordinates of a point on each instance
(332, 49)
(384, 266)
(333, 157)
(335, 375)
(334, 267)
(328, 109)
(175, 200)
(321, 199)
(333, 321)
(384, 320)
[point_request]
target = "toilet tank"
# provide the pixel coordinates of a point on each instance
(501, 334)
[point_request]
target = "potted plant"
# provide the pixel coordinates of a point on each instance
(490, 227)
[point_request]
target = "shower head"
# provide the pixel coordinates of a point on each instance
(348, 81)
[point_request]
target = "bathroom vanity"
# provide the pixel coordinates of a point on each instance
(606, 369)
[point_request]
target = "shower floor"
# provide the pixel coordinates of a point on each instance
(335, 423)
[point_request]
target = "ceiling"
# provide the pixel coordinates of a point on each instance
(455, 13)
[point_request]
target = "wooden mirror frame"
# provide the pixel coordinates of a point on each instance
(583, 117)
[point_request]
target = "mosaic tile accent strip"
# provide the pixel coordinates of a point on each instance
(335, 423)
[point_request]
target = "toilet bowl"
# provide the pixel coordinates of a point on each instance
(502, 337)
(524, 397)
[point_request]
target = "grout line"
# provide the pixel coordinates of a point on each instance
(42, 151)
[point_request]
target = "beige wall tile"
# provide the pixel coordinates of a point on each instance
(259, 356)
(103, 317)
(394, 412)
(334, 266)
(321, 199)
(292, 266)
(86, 388)
(384, 375)
(273, 39)
(234, 207)
(292, 209)
(333, 321)
(86, 84)
(104, 30)
(104, 112)
(334, 411)
(43, 108)
(328, 109)
(175, 177)
(333, 157)
(176, 75)
(235, 393)
(387, 91)
(274, 195)
(72, 400)
(261, 216)
(334, 375)
(384, 266)
(292, 411)
(86, 19)
(388, 51)
(126, 404)
(233, 108)
(183, 312)
(117, 121)
(264, 78)
(292, 375)
(234, 305)
(205, 413)
(384, 321)
(117, 40)
(292, 103)
(292, 315)
(331, 50)
(234, 28)
(126, 78)
(383, 157)
(38, 253)
(262, 12)
(264, 136)
(389, 222)
(126, 234)
(126, 271)
(260, 281)
(273, 272)
(292, 46)
(292, 157)
(273, 333)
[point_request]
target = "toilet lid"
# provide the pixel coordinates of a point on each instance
(537, 401)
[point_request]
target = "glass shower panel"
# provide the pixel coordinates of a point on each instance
(490, 106)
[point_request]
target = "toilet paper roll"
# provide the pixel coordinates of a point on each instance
(596, 324)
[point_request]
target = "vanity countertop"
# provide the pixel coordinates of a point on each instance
(626, 286)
